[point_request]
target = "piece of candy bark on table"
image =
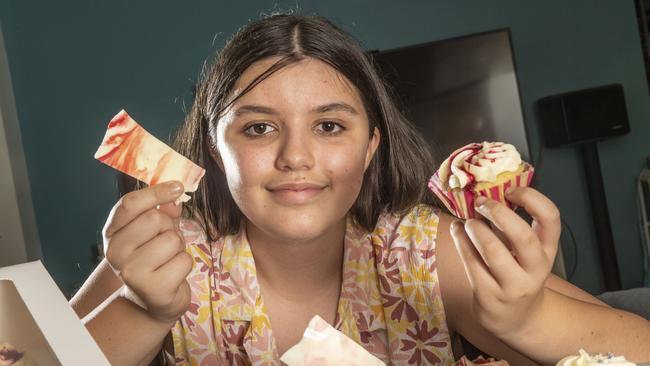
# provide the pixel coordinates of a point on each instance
(464, 361)
(323, 345)
(132, 150)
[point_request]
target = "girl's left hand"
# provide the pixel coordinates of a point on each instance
(507, 276)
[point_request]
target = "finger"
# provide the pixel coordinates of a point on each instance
(132, 204)
(519, 237)
(172, 209)
(136, 233)
(546, 216)
(477, 272)
(173, 273)
(158, 251)
(500, 263)
(501, 235)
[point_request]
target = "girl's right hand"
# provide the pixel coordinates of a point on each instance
(146, 251)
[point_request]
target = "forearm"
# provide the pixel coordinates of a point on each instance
(99, 286)
(563, 325)
(125, 332)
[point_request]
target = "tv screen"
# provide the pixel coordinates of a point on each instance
(459, 90)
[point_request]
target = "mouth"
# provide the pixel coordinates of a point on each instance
(295, 194)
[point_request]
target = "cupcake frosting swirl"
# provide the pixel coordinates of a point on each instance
(478, 162)
(585, 359)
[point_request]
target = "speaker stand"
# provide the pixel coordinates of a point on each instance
(600, 215)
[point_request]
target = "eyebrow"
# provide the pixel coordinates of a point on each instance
(253, 108)
(335, 107)
(330, 107)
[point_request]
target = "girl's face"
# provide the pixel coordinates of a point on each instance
(294, 149)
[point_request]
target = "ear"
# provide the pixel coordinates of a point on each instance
(372, 146)
(214, 152)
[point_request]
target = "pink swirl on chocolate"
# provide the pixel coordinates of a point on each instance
(130, 149)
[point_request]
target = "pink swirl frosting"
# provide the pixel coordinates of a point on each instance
(478, 162)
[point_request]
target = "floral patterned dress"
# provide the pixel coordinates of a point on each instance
(390, 299)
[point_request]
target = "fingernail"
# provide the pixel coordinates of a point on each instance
(175, 188)
(480, 201)
(455, 225)
(510, 191)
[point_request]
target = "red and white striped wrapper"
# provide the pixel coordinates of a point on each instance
(460, 202)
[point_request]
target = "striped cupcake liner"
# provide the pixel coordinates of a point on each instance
(461, 202)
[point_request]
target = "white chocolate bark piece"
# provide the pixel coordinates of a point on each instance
(480, 360)
(132, 150)
(323, 345)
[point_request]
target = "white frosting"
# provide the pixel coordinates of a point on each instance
(585, 359)
(479, 163)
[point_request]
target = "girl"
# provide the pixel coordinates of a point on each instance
(315, 202)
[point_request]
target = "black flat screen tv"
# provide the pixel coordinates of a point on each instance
(459, 90)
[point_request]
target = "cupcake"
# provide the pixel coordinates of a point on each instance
(586, 359)
(479, 169)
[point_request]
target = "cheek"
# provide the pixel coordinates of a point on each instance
(346, 168)
(250, 167)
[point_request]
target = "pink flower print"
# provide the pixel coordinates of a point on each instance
(200, 337)
(261, 350)
(392, 276)
(191, 231)
(221, 278)
(210, 360)
(421, 342)
(187, 319)
(233, 336)
(200, 262)
(247, 286)
(397, 357)
(384, 241)
(356, 253)
(427, 253)
(363, 323)
(391, 272)
(400, 307)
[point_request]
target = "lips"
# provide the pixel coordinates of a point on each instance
(295, 193)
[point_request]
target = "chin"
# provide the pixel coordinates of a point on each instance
(298, 226)
(299, 229)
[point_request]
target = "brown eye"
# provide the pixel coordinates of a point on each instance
(330, 128)
(258, 129)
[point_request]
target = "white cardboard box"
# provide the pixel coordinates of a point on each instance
(36, 318)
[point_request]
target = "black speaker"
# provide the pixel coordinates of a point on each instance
(584, 115)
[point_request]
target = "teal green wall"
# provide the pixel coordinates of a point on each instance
(74, 64)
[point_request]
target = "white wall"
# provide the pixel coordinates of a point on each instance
(19, 240)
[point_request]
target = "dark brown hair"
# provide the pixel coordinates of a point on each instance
(396, 179)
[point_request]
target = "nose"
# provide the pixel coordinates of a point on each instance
(295, 152)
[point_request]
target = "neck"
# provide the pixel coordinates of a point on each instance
(299, 270)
